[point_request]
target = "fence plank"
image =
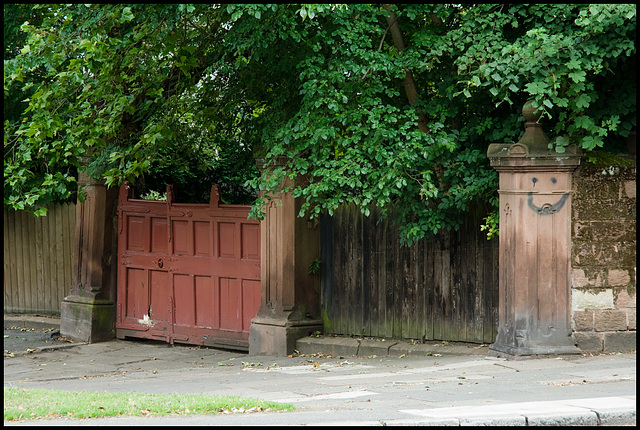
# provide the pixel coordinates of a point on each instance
(408, 293)
(355, 270)
(9, 280)
(26, 271)
(368, 289)
(421, 290)
(34, 267)
(69, 234)
(41, 296)
(49, 293)
(427, 261)
(339, 280)
(381, 242)
(490, 276)
(61, 218)
(53, 260)
(476, 288)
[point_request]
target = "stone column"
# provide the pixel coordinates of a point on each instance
(290, 302)
(535, 244)
(88, 313)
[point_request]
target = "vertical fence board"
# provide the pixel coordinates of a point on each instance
(381, 280)
(447, 289)
(491, 306)
(418, 272)
(475, 286)
(339, 279)
(408, 293)
(49, 293)
(18, 244)
(33, 263)
(437, 309)
(461, 272)
(53, 260)
(326, 266)
(389, 284)
(427, 261)
(26, 259)
(61, 217)
(9, 264)
(41, 296)
(69, 233)
(356, 258)
(368, 289)
(347, 267)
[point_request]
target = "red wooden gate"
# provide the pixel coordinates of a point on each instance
(187, 273)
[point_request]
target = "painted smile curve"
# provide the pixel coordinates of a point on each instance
(547, 209)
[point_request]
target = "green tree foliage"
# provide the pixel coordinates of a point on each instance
(387, 105)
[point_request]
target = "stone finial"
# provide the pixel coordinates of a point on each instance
(533, 137)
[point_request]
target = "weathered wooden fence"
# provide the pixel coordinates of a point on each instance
(38, 259)
(445, 288)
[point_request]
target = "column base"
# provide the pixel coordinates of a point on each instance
(89, 320)
(514, 353)
(277, 337)
(514, 343)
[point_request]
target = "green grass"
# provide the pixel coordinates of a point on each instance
(26, 404)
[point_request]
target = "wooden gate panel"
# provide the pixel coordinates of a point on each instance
(160, 306)
(136, 233)
(250, 302)
(136, 295)
(159, 235)
(185, 304)
(207, 303)
(202, 239)
(202, 263)
(181, 238)
(250, 242)
(230, 305)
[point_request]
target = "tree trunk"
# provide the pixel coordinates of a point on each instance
(409, 83)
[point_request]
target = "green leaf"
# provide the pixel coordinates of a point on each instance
(535, 88)
(583, 101)
(127, 15)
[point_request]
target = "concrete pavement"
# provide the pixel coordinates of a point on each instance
(344, 381)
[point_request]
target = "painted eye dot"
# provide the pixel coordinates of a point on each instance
(553, 180)
(534, 180)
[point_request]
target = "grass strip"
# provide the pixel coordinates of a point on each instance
(29, 404)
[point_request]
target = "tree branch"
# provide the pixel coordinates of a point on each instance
(409, 83)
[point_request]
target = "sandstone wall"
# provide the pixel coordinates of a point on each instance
(604, 257)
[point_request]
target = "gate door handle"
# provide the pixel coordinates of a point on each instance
(160, 263)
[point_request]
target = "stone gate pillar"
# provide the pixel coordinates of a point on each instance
(290, 300)
(88, 313)
(535, 244)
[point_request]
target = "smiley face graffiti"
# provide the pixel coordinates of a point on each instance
(547, 208)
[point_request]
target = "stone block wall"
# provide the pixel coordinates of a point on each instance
(604, 256)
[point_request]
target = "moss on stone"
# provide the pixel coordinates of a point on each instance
(606, 158)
